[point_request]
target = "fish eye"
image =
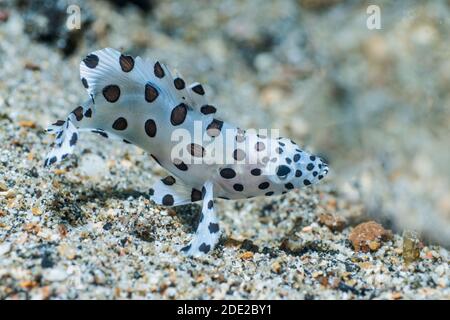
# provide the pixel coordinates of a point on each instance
(282, 171)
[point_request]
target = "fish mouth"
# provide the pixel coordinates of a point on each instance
(325, 168)
(323, 171)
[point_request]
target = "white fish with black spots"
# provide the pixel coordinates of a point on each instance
(142, 102)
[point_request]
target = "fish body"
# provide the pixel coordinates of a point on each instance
(141, 102)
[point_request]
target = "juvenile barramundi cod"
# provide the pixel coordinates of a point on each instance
(141, 102)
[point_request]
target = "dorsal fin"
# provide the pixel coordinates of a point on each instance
(197, 95)
(107, 73)
(106, 67)
(193, 95)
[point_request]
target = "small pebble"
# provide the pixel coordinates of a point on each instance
(248, 255)
(56, 274)
(411, 246)
(333, 222)
(368, 236)
(5, 248)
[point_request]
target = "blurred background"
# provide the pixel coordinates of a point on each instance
(374, 103)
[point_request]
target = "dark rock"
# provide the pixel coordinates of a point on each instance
(270, 251)
(298, 247)
(333, 222)
(144, 233)
(351, 267)
(47, 261)
(248, 245)
(145, 5)
(33, 173)
(318, 5)
(107, 226)
(346, 288)
(4, 16)
(45, 21)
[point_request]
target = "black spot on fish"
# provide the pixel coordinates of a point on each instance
(213, 227)
(180, 165)
(78, 112)
(198, 89)
(73, 139)
(196, 195)
(204, 247)
(111, 93)
(227, 173)
(120, 124)
(91, 61)
(52, 160)
(214, 128)
(179, 83)
(158, 70)
(186, 248)
(178, 114)
(168, 200)
(168, 181)
(289, 186)
(263, 185)
(256, 172)
(85, 83)
(207, 109)
(126, 63)
(283, 170)
(151, 93)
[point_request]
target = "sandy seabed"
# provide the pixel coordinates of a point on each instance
(86, 229)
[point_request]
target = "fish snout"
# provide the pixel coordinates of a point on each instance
(323, 166)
